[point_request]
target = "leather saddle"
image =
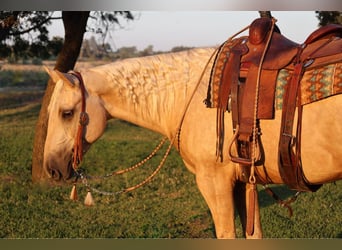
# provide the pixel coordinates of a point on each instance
(280, 54)
(243, 79)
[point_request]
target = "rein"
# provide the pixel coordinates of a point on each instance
(79, 140)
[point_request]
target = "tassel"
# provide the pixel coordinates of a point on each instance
(251, 210)
(89, 201)
(73, 194)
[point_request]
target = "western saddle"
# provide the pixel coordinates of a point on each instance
(243, 81)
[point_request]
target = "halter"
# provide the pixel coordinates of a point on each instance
(83, 122)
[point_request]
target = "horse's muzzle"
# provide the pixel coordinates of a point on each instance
(58, 175)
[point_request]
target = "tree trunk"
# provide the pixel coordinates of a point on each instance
(265, 14)
(75, 23)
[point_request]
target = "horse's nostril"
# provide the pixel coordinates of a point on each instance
(55, 174)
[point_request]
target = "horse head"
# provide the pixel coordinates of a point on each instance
(64, 113)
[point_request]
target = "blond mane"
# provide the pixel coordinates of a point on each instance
(150, 83)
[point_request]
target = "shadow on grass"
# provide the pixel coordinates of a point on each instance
(281, 191)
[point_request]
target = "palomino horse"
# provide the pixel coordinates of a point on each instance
(153, 92)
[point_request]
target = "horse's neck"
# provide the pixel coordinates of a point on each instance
(151, 92)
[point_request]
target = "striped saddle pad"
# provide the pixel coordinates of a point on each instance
(316, 84)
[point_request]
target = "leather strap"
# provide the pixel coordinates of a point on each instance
(251, 209)
(289, 159)
(247, 109)
(229, 86)
(290, 146)
(83, 122)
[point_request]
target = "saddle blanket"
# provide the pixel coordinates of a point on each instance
(316, 84)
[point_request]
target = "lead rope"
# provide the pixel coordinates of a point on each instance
(89, 201)
(149, 178)
(252, 180)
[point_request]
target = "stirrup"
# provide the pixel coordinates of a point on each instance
(237, 159)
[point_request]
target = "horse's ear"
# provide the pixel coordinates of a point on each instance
(57, 75)
(52, 74)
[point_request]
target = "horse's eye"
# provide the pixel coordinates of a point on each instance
(67, 114)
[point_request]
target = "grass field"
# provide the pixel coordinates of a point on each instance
(168, 207)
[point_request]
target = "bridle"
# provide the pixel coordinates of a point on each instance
(83, 122)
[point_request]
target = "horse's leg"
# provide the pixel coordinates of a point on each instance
(216, 185)
(241, 200)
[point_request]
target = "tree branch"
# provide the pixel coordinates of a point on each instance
(34, 27)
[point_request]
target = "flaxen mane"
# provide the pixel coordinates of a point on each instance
(139, 79)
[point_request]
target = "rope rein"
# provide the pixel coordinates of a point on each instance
(139, 164)
(135, 166)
